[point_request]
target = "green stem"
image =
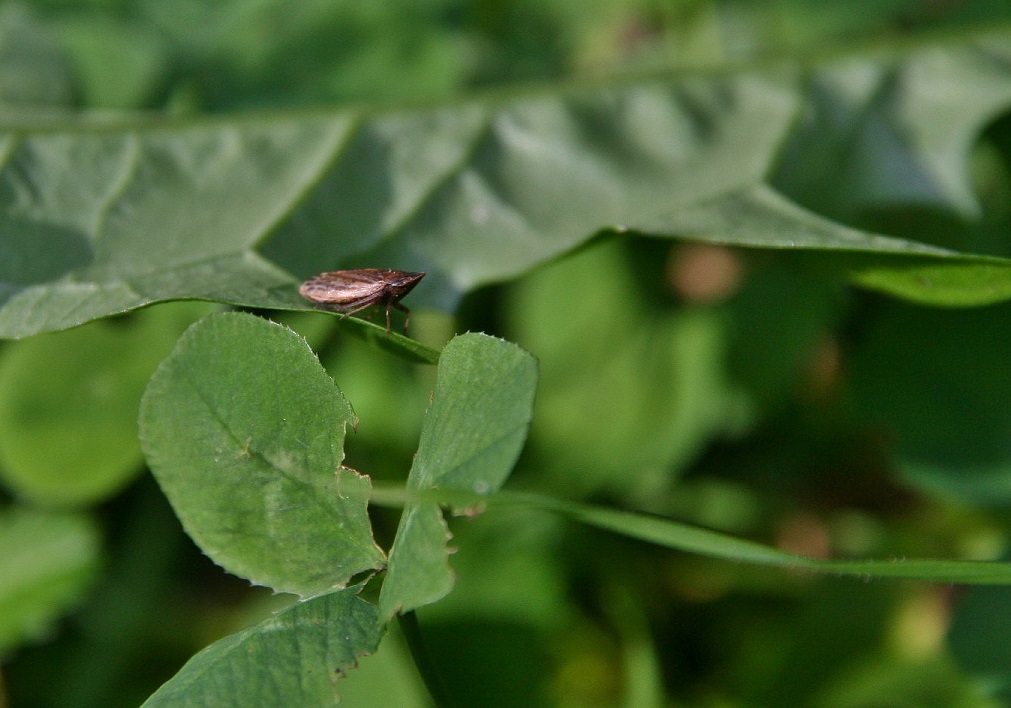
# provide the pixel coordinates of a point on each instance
(423, 660)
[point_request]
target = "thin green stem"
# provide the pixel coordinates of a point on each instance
(423, 660)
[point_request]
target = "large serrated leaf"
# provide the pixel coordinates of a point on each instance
(103, 221)
(763, 218)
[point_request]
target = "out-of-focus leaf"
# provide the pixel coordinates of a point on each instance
(935, 683)
(980, 626)
(470, 439)
(877, 130)
(46, 561)
(938, 384)
(629, 392)
(69, 401)
(34, 74)
(780, 321)
(295, 658)
(118, 64)
(323, 52)
(252, 466)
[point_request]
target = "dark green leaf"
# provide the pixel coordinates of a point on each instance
(938, 383)
(980, 626)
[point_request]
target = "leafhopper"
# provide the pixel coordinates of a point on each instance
(350, 291)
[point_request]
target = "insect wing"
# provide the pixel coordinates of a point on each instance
(346, 289)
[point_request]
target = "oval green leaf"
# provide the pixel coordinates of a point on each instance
(470, 439)
(244, 432)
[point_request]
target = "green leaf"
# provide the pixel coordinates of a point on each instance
(762, 218)
(294, 658)
(35, 75)
(884, 130)
(244, 432)
(47, 561)
(930, 680)
(69, 401)
(693, 539)
(939, 383)
(604, 348)
(118, 63)
(103, 219)
(470, 439)
(155, 212)
(980, 626)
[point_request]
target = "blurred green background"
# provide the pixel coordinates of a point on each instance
(725, 388)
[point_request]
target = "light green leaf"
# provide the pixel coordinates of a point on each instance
(651, 377)
(295, 658)
(470, 439)
(69, 401)
(47, 560)
(244, 432)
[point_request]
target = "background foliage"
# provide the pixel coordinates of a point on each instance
(668, 203)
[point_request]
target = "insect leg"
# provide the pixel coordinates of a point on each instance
(407, 315)
(352, 310)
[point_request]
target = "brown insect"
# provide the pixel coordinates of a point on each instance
(351, 291)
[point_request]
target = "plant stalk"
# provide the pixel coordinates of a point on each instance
(423, 660)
